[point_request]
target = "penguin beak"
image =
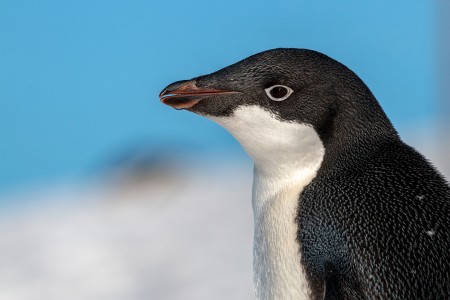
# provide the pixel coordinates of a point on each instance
(185, 94)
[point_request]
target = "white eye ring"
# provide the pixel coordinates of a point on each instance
(283, 96)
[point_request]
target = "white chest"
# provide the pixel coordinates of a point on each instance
(278, 273)
(287, 156)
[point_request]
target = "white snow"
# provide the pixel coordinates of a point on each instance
(184, 237)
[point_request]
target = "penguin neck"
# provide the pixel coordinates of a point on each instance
(353, 131)
(287, 156)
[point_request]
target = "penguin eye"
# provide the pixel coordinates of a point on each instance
(278, 92)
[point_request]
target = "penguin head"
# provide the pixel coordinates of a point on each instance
(281, 81)
(282, 100)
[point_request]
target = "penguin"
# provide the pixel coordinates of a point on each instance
(343, 208)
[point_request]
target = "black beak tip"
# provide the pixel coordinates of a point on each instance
(172, 87)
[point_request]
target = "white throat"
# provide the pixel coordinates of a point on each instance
(287, 156)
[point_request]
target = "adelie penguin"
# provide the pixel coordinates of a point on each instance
(343, 209)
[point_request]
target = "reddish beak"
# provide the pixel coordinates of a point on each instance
(185, 94)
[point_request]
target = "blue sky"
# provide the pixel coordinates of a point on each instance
(79, 80)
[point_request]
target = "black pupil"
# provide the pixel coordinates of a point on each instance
(278, 92)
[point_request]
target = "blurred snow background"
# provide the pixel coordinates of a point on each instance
(177, 233)
(169, 216)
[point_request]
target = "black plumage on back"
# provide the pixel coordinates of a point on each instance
(376, 225)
